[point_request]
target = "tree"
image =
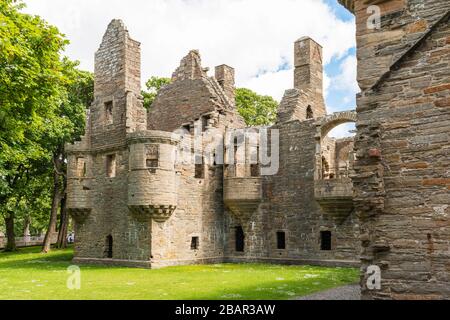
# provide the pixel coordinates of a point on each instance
(33, 79)
(66, 126)
(153, 85)
(256, 109)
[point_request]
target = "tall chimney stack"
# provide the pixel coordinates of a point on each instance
(225, 77)
(308, 73)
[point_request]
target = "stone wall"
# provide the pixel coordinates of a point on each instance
(401, 173)
(116, 111)
(135, 203)
(288, 205)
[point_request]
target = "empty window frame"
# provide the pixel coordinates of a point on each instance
(109, 247)
(81, 167)
(195, 243)
(111, 166)
(325, 240)
(199, 168)
(254, 167)
(109, 112)
(281, 240)
(239, 239)
(309, 113)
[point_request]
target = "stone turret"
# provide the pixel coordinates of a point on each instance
(152, 181)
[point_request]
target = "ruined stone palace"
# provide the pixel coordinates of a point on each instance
(136, 204)
(379, 199)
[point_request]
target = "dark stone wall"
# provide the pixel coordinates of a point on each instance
(401, 174)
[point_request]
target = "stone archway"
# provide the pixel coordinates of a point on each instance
(332, 190)
(324, 125)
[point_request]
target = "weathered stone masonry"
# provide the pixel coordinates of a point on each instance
(402, 147)
(135, 203)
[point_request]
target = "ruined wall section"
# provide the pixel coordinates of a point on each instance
(401, 172)
(403, 22)
(197, 105)
(116, 111)
(192, 94)
(289, 206)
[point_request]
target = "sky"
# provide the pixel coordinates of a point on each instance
(254, 36)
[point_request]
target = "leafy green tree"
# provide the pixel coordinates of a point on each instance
(256, 109)
(66, 125)
(153, 85)
(33, 87)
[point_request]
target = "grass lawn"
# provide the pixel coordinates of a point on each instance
(28, 274)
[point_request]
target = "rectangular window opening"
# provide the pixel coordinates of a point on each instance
(199, 168)
(240, 239)
(109, 112)
(281, 240)
(195, 242)
(111, 165)
(81, 167)
(325, 240)
(204, 121)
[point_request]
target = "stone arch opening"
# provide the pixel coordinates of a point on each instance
(334, 156)
(333, 188)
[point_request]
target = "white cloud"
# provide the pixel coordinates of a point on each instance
(250, 35)
(346, 79)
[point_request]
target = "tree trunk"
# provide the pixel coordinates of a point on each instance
(46, 247)
(10, 236)
(63, 225)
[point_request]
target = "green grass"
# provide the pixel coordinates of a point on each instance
(28, 274)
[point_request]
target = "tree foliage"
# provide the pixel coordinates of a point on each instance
(42, 106)
(256, 109)
(153, 85)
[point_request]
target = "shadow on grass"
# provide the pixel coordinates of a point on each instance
(31, 257)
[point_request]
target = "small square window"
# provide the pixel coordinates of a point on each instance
(254, 170)
(152, 163)
(281, 240)
(195, 242)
